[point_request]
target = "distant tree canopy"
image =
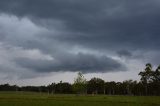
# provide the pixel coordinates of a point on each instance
(149, 84)
(96, 86)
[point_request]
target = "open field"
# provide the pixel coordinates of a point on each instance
(36, 99)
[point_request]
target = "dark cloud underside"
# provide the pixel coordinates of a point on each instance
(120, 27)
(104, 23)
(81, 62)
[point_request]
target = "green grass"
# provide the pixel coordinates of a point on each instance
(37, 99)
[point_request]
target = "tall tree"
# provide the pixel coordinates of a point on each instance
(146, 76)
(79, 85)
(156, 76)
(156, 81)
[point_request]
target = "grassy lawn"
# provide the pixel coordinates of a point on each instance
(36, 99)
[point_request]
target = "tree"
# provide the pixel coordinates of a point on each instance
(110, 87)
(156, 81)
(79, 85)
(51, 88)
(63, 88)
(96, 85)
(146, 76)
(129, 86)
(156, 75)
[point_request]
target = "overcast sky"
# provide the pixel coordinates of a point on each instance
(45, 41)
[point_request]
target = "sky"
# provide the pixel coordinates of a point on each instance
(45, 41)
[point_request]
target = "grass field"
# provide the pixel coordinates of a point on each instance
(36, 99)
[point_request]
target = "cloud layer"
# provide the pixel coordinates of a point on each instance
(91, 36)
(131, 23)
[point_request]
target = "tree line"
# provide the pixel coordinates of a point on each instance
(148, 85)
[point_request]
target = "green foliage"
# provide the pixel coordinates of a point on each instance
(156, 75)
(146, 75)
(79, 85)
(96, 85)
(151, 80)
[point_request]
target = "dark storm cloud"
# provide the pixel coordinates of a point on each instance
(96, 24)
(81, 62)
(107, 25)
(124, 53)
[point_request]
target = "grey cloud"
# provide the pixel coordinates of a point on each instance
(152, 57)
(86, 63)
(104, 24)
(124, 53)
(60, 25)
